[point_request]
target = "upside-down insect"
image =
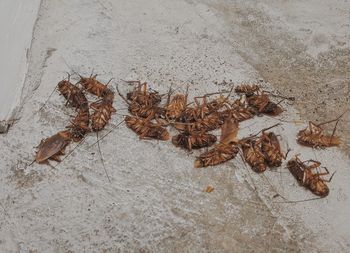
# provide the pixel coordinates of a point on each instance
(74, 96)
(313, 136)
(193, 140)
(252, 154)
(309, 176)
(146, 129)
(208, 123)
(53, 147)
(92, 85)
(247, 89)
(142, 96)
(144, 110)
(237, 110)
(226, 150)
(262, 104)
(101, 116)
(176, 107)
(271, 149)
(80, 125)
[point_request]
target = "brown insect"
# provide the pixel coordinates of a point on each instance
(142, 96)
(92, 85)
(226, 150)
(208, 123)
(309, 176)
(176, 107)
(271, 149)
(247, 89)
(253, 154)
(238, 111)
(146, 129)
(201, 110)
(80, 125)
(145, 110)
(262, 104)
(53, 147)
(101, 116)
(74, 96)
(313, 136)
(193, 140)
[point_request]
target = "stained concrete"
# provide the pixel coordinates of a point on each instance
(155, 201)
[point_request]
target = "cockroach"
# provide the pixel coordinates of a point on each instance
(74, 96)
(309, 176)
(53, 147)
(226, 150)
(201, 110)
(262, 104)
(247, 89)
(142, 96)
(145, 110)
(80, 125)
(208, 123)
(313, 136)
(92, 85)
(101, 116)
(238, 111)
(253, 154)
(193, 140)
(271, 149)
(176, 107)
(146, 129)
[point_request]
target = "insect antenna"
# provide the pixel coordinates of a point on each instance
(103, 163)
(121, 95)
(65, 62)
(47, 99)
(279, 96)
(298, 201)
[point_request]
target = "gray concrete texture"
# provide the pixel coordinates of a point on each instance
(155, 201)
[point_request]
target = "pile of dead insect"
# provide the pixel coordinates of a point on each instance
(84, 122)
(195, 121)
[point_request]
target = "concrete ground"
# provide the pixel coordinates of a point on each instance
(155, 200)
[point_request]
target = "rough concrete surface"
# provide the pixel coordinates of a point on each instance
(17, 20)
(155, 201)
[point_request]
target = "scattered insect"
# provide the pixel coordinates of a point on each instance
(263, 104)
(313, 136)
(101, 116)
(193, 140)
(247, 89)
(309, 176)
(74, 96)
(237, 111)
(271, 149)
(92, 85)
(253, 155)
(53, 147)
(142, 96)
(176, 107)
(146, 129)
(226, 150)
(208, 123)
(144, 110)
(80, 125)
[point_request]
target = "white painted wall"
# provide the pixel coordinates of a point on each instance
(17, 18)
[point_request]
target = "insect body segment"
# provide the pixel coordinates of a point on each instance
(309, 176)
(53, 147)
